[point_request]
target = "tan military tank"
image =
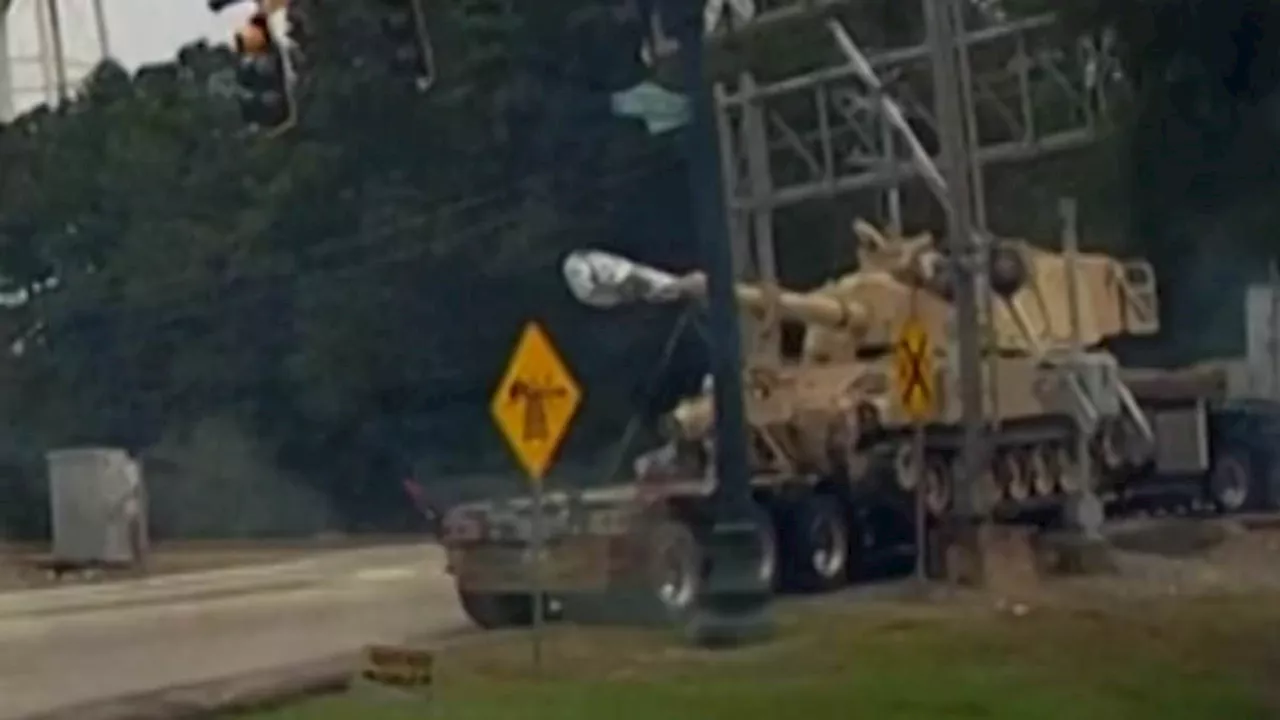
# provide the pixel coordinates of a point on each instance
(836, 410)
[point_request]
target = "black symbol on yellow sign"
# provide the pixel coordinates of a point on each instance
(535, 395)
(913, 365)
(535, 401)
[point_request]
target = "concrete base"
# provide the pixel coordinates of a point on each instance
(998, 558)
(733, 608)
(1073, 553)
(715, 631)
(1010, 561)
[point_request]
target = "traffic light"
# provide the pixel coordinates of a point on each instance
(404, 23)
(265, 77)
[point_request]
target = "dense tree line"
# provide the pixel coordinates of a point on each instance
(347, 294)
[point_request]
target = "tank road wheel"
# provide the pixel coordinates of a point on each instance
(676, 567)
(1063, 468)
(815, 542)
(492, 611)
(1229, 481)
(1014, 475)
(1039, 472)
(937, 486)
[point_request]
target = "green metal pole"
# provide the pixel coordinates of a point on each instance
(732, 607)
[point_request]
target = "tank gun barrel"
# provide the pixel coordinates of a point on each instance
(605, 280)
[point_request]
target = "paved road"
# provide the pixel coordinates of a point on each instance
(73, 645)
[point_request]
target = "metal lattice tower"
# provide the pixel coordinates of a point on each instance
(881, 116)
(49, 47)
(821, 134)
(826, 136)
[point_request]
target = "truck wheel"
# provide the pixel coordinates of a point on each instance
(1229, 483)
(767, 572)
(492, 611)
(815, 542)
(676, 569)
(1270, 496)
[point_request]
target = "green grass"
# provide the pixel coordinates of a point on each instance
(1208, 659)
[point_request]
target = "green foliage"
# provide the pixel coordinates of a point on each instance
(348, 292)
(1183, 659)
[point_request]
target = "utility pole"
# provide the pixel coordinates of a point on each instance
(59, 49)
(7, 95)
(52, 53)
(100, 26)
(733, 604)
(941, 18)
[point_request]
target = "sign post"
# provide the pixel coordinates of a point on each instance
(533, 407)
(914, 379)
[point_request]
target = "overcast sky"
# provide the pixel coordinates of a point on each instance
(140, 32)
(150, 30)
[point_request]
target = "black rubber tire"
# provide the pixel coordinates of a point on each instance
(673, 540)
(493, 611)
(799, 537)
(1269, 480)
(1234, 465)
(767, 521)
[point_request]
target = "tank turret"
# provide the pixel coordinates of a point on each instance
(842, 403)
(858, 314)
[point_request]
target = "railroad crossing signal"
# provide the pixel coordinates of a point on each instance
(914, 370)
(535, 401)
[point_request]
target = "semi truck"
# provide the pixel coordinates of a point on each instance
(834, 481)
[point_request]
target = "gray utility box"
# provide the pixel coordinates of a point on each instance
(1262, 339)
(98, 506)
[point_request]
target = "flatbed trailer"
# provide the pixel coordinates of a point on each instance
(1218, 445)
(1213, 447)
(1214, 454)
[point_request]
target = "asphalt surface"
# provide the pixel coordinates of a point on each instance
(74, 645)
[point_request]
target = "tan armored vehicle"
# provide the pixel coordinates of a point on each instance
(830, 431)
(837, 411)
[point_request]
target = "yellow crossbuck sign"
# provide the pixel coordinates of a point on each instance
(914, 371)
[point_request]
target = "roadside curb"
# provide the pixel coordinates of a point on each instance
(233, 695)
(244, 692)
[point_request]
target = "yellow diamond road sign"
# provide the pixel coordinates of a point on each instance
(535, 401)
(913, 370)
